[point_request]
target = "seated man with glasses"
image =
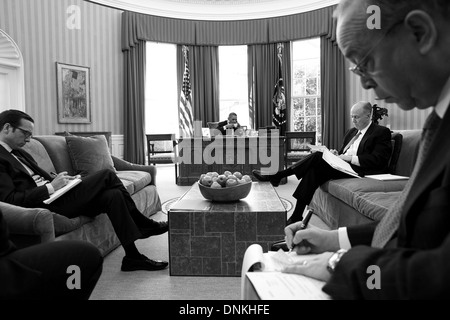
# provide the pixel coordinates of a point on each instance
(405, 255)
(24, 183)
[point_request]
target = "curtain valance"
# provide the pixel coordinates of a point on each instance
(137, 26)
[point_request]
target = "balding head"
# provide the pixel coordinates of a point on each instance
(361, 114)
(404, 60)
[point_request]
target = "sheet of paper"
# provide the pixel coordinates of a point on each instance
(253, 255)
(286, 286)
(276, 261)
(272, 284)
(338, 163)
(63, 190)
(386, 177)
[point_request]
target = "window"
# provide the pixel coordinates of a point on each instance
(233, 83)
(306, 108)
(162, 92)
(161, 105)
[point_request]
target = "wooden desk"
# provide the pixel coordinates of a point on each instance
(228, 153)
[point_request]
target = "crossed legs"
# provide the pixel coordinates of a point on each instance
(312, 172)
(104, 192)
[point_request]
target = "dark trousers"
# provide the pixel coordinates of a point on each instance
(313, 171)
(41, 271)
(103, 192)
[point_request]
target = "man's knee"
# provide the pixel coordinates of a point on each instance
(106, 176)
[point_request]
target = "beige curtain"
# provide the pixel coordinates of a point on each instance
(214, 33)
(262, 77)
(333, 89)
(134, 103)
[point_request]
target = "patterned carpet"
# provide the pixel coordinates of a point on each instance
(169, 203)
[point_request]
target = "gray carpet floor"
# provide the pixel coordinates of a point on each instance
(159, 285)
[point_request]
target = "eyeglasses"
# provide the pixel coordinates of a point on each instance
(360, 69)
(26, 133)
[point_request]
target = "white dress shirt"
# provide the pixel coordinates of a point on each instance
(353, 150)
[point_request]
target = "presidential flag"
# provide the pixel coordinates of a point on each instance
(185, 106)
(279, 98)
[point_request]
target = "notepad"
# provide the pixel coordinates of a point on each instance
(386, 177)
(338, 164)
(58, 193)
(271, 283)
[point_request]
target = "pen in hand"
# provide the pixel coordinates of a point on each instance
(303, 225)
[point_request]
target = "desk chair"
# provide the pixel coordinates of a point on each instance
(295, 147)
(162, 148)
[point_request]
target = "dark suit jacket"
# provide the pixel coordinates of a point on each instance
(16, 185)
(419, 266)
(221, 126)
(374, 150)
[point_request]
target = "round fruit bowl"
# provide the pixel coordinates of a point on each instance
(227, 194)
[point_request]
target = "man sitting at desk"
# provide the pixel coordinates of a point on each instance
(231, 123)
(367, 148)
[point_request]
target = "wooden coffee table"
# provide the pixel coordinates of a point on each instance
(210, 238)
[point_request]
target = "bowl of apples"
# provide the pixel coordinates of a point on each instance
(226, 187)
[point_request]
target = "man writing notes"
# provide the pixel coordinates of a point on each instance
(406, 62)
(366, 147)
(24, 183)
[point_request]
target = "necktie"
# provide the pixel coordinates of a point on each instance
(388, 226)
(29, 164)
(349, 144)
(23, 160)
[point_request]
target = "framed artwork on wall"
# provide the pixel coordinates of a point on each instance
(74, 93)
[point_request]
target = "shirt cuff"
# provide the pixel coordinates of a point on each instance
(355, 161)
(344, 241)
(50, 188)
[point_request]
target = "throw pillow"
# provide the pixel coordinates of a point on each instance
(89, 154)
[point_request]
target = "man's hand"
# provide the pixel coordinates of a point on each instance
(313, 268)
(334, 151)
(61, 180)
(346, 158)
(311, 239)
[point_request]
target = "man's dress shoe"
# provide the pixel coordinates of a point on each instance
(142, 263)
(274, 181)
(156, 229)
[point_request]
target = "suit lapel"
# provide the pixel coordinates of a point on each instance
(365, 137)
(432, 165)
(350, 134)
(11, 159)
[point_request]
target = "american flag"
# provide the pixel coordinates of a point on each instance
(185, 107)
(279, 99)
